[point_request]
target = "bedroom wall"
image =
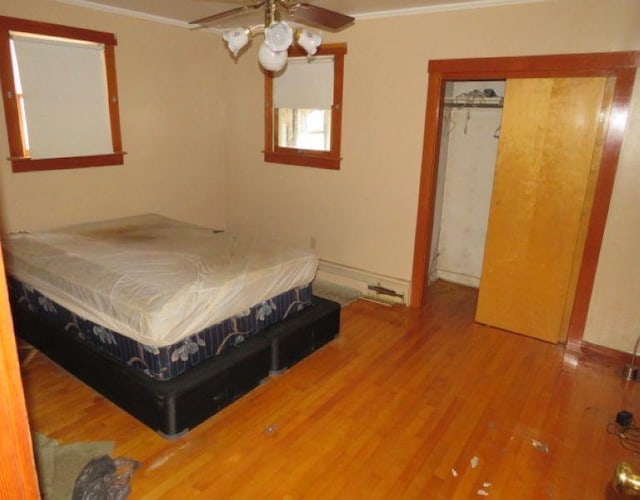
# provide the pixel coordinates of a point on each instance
(171, 112)
(364, 215)
(192, 124)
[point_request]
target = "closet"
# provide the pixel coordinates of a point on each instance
(608, 111)
(513, 205)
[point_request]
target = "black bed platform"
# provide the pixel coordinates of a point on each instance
(173, 407)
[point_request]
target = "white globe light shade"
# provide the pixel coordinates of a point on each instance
(278, 36)
(309, 41)
(270, 60)
(236, 39)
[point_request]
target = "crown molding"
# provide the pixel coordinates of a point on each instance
(126, 12)
(446, 7)
(468, 5)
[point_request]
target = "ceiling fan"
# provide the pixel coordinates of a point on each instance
(278, 34)
(301, 12)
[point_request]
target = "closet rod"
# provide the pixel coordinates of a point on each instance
(463, 101)
(471, 105)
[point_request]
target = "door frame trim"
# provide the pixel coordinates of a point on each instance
(621, 65)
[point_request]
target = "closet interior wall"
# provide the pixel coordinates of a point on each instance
(468, 152)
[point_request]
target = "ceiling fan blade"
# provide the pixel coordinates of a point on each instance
(228, 13)
(312, 14)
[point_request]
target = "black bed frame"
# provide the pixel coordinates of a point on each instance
(173, 407)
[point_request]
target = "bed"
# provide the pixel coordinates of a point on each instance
(168, 320)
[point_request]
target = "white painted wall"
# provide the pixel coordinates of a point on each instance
(192, 122)
(468, 183)
(364, 215)
(172, 115)
(443, 153)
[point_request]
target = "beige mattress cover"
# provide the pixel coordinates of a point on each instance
(154, 279)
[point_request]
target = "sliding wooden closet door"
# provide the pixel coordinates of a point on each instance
(550, 127)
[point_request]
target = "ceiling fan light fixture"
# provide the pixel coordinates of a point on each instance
(272, 60)
(236, 39)
(308, 40)
(278, 36)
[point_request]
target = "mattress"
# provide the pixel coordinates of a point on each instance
(152, 279)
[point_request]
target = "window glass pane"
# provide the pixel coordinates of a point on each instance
(24, 131)
(304, 129)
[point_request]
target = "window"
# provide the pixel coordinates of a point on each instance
(303, 109)
(304, 128)
(60, 96)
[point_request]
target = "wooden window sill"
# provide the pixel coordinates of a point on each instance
(305, 159)
(31, 165)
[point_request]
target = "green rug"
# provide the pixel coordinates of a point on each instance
(60, 465)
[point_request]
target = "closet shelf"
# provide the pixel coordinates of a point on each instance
(474, 102)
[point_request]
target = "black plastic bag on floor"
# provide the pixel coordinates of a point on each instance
(105, 478)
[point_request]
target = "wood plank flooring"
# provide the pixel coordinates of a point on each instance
(404, 404)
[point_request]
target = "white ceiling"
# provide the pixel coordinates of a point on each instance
(182, 11)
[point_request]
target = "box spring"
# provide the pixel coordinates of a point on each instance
(172, 407)
(165, 362)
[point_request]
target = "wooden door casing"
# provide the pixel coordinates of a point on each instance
(17, 474)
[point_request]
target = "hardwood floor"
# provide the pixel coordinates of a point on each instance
(401, 405)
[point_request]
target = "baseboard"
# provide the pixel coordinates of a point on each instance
(460, 279)
(361, 279)
(585, 352)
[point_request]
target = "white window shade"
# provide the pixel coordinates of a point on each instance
(306, 84)
(65, 96)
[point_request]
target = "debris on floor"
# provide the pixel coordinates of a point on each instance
(483, 491)
(270, 429)
(165, 458)
(543, 447)
(454, 473)
(105, 477)
(474, 462)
